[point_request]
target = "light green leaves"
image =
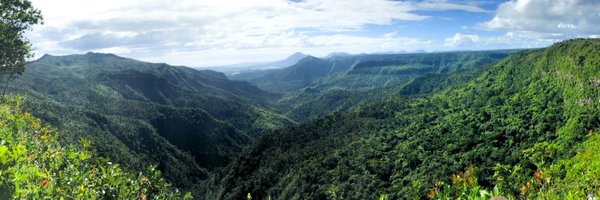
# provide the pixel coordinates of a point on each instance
(3, 154)
(34, 165)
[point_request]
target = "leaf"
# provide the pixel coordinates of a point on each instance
(3, 154)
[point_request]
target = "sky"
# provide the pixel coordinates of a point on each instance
(201, 33)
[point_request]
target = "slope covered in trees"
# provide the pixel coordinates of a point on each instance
(34, 165)
(298, 75)
(137, 113)
(528, 121)
(307, 71)
(381, 77)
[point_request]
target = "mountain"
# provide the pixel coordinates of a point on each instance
(364, 69)
(187, 121)
(232, 70)
(296, 76)
(525, 126)
(311, 103)
(366, 80)
(303, 73)
(289, 61)
(35, 164)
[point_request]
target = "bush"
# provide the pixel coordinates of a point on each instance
(34, 165)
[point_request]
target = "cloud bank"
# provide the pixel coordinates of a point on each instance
(204, 33)
(162, 30)
(535, 23)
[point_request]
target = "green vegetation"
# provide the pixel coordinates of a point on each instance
(306, 71)
(523, 120)
(289, 79)
(187, 122)
(385, 77)
(571, 178)
(34, 165)
(457, 125)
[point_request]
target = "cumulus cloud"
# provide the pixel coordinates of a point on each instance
(509, 40)
(460, 39)
(156, 28)
(570, 18)
(533, 24)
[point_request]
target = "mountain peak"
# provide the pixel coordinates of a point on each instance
(45, 56)
(308, 58)
(296, 57)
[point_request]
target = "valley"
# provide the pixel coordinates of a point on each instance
(206, 131)
(192, 123)
(299, 99)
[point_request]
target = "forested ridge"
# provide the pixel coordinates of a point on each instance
(382, 76)
(526, 126)
(187, 122)
(452, 125)
(36, 165)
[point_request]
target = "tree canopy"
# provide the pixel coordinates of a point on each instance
(16, 17)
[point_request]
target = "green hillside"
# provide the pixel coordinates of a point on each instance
(380, 78)
(186, 121)
(397, 69)
(308, 103)
(307, 71)
(296, 76)
(35, 165)
(526, 124)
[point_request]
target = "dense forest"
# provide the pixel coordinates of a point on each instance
(525, 126)
(507, 121)
(400, 140)
(380, 77)
(190, 123)
(184, 120)
(497, 124)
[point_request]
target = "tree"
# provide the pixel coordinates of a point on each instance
(16, 17)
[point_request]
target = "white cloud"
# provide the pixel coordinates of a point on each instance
(566, 26)
(460, 39)
(315, 45)
(163, 29)
(509, 40)
(572, 18)
(533, 24)
(445, 5)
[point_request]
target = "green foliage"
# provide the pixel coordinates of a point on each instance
(520, 122)
(573, 178)
(577, 177)
(187, 122)
(364, 71)
(376, 78)
(34, 165)
(292, 78)
(16, 17)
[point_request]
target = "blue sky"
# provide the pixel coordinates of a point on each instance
(210, 33)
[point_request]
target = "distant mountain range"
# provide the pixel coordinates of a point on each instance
(376, 77)
(312, 69)
(251, 67)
